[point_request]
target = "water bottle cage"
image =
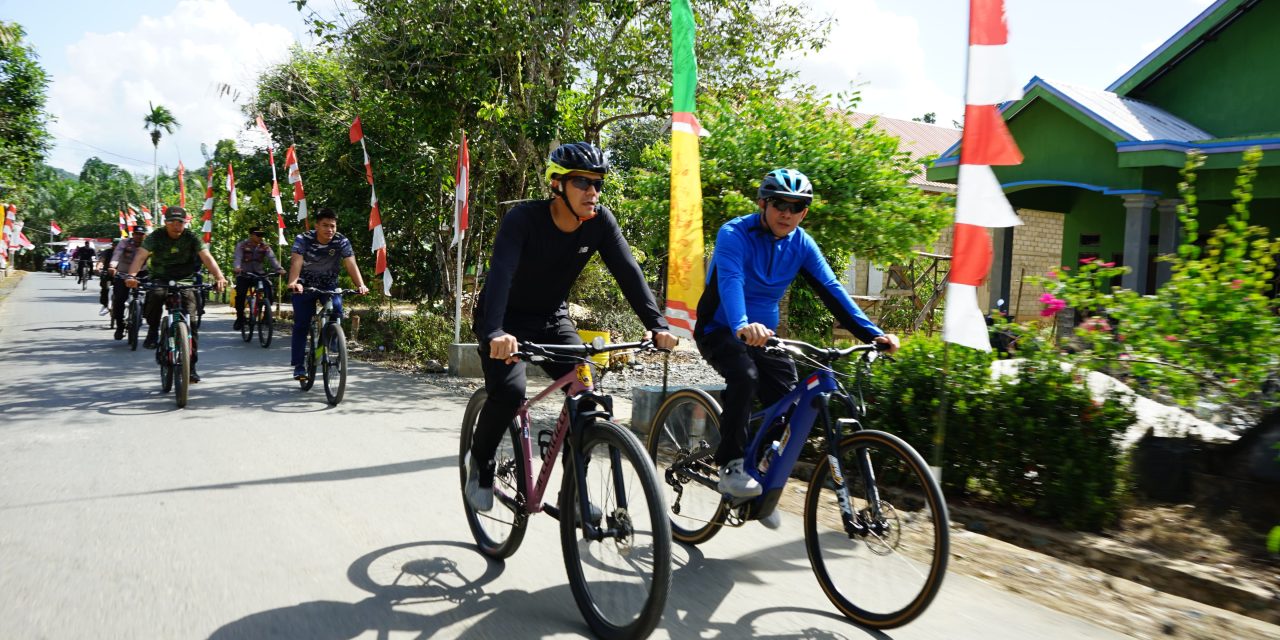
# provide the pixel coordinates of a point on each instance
(544, 442)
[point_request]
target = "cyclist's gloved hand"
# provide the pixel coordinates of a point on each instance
(755, 334)
(501, 348)
(889, 339)
(662, 339)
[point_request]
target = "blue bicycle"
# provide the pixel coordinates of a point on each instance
(875, 522)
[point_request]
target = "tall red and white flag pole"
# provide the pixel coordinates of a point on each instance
(980, 202)
(461, 213)
(295, 179)
(231, 188)
(275, 184)
(375, 215)
(206, 216)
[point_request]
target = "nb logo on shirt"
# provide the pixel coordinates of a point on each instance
(582, 249)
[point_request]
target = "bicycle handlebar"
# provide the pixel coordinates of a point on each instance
(334, 292)
(530, 350)
(173, 284)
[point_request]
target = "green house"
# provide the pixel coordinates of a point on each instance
(1101, 169)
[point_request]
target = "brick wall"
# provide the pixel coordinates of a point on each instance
(1037, 248)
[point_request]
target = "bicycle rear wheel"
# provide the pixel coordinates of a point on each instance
(621, 580)
(182, 368)
(266, 324)
(499, 531)
(682, 441)
(310, 361)
(335, 363)
(884, 568)
(250, 316)
(134, 323)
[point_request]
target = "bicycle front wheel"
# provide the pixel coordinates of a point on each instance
(135, 323)
(620, 580)
(881, 567)
(164, 359)
(250, 316)
(182, 368)
(335, 363)
(682, 442)
(499, 531)
(266, 324)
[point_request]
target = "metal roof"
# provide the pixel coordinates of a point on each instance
(1134, 119)
(918, 140)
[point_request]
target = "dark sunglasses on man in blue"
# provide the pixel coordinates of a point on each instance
(582, 182)
(786, 206)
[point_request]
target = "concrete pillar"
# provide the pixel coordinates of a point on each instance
(1170, 236)
(1137, 240)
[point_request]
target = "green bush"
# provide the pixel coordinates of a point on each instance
(423, 335)
(1038, 443)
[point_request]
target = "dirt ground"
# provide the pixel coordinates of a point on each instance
(1119, 604)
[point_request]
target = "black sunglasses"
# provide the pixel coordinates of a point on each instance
(582, 182)
(784, 206)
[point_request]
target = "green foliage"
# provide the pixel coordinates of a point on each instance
(607, 309)
(1038, 443)
(1211, 333)
(24, 135)
(422, 335)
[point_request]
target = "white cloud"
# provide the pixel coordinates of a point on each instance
(881, 54)
(178, 60)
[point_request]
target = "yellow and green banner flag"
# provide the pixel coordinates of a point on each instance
(685, 268)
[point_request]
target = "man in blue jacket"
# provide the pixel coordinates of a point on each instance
(756, 258)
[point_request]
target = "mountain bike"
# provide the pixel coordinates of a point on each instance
(84, 272)
(619, 558)
(875, 522)
(201, 296)
(176, 344)
(327, 347)
(258, 304)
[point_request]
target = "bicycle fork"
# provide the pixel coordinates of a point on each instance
(871, 520)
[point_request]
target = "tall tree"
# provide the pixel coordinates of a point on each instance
(157, 120)
(23, 134)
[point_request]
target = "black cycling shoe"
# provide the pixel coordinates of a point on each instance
(119, 333)
(149, 343)
(195, 377)
(239, 324)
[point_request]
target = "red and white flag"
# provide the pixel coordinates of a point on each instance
(24, 242)
(182, 186)
(231, 188)
(375, 216)
(275, 184)
(6, 236)
(123, 225)
(54, 229)
(295, 179)
(980, 201)
(131, 219)
(206, 216)
(461, 189)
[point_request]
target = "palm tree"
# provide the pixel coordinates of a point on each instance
(159, 118)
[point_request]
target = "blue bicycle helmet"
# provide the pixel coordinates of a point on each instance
(786, 183)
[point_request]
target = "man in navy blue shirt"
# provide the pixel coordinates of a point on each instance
(317, 256)
(756, 258)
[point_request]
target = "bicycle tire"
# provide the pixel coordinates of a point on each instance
(335, 364)
(620, 582)
(874, 567)
(498, 532)
(162, 357)
(135, 323)
(686, 419)
(310, 360)
(247, 322)
(266, 324)
(84, 282)
(182, 368)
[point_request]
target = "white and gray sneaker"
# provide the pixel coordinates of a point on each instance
(735, 481)
(479, 491)
(103, 311)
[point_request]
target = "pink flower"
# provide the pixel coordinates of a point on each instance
(1171, 338)
(1096, 323)
(1066, 268)
(1051, 304)
(1046, 298)
(1052, 275)
(1234, 381)
(1124, 356)
(1237, 283)
(1108, 265)
(1087, 260)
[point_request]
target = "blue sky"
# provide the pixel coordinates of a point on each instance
(108, 59)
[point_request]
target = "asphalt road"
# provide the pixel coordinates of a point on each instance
(260, 512)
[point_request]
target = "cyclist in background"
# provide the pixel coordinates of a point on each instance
(317, 256)
(123, 255)
(756, 258)
(176, 253)
(541, 248)
(250, 255)
(104, 282)
(83, 257)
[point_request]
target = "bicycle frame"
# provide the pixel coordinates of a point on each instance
(176, 314)
(580, 387)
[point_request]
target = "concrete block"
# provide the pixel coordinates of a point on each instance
(464, 360)
(645, 402)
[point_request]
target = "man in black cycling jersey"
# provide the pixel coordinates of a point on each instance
(83, 257)
(250, 256)
(104, 256)
(757, 256)
(540, 249)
